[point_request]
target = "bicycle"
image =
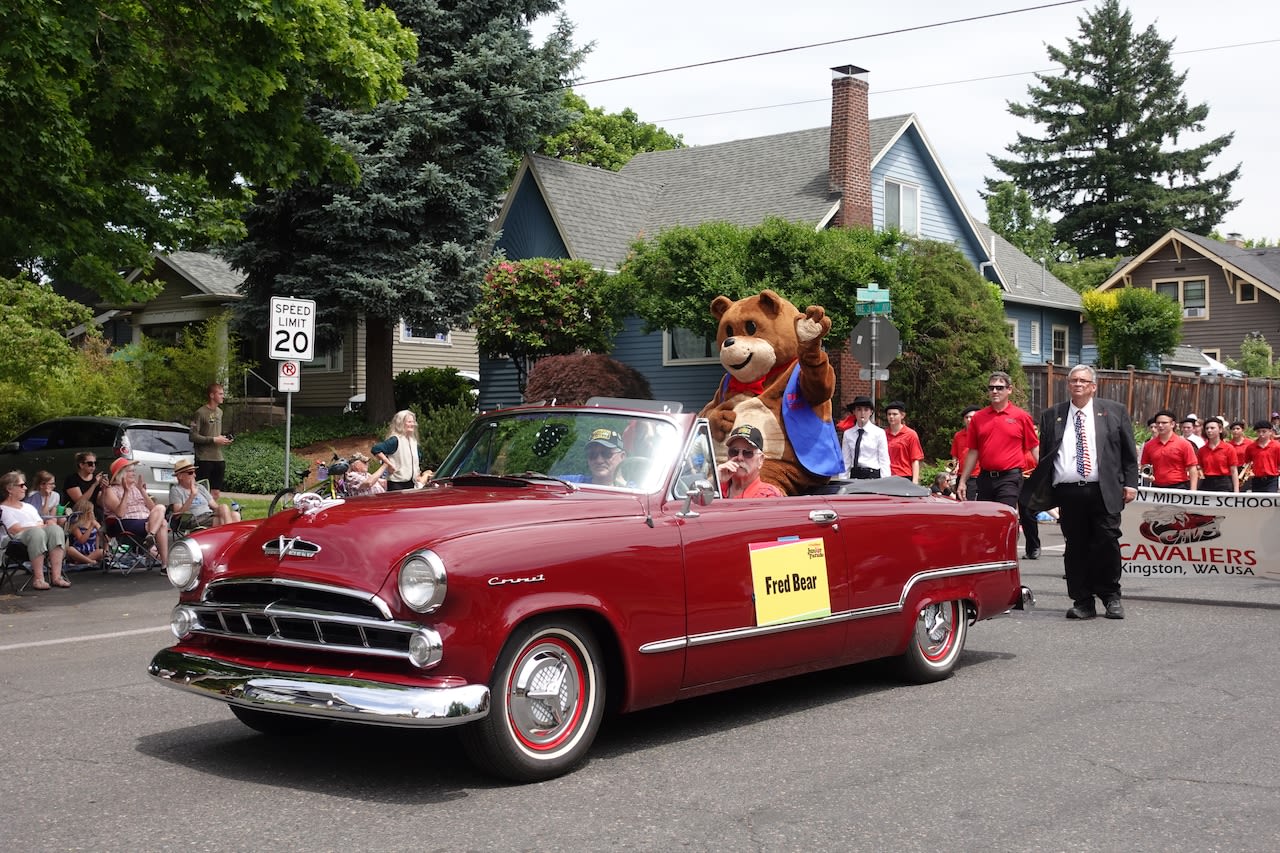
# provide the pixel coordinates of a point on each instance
(331, 484)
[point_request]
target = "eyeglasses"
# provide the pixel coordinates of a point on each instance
(996, 387)
(20, 485)
(92, 463)
(1079, 381)
(600, 452)
(744, 452)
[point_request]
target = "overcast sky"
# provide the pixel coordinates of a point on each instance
(1227, 48)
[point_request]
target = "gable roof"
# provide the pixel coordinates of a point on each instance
(209, 274)
(1259, 267)
(1024, 280)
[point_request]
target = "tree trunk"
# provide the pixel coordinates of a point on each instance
(379, 399)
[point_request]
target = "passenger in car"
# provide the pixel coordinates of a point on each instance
(137, 514)
(740, 473)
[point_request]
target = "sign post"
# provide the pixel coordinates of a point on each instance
(873, 337)
(292, 341)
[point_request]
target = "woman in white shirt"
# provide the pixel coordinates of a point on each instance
(40, 536)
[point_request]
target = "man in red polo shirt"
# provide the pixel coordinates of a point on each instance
(1218, 461)
(905, 452)
(1265, 456)
(1000, 437)
(1172, 458)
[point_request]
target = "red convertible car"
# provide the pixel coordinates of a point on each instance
(517, 600)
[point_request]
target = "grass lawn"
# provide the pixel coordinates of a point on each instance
(251, 508)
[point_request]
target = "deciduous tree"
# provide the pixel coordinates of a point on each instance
(1107, 157)
(125, 126)
(543, 306)
(1133, 326)
(607, 140)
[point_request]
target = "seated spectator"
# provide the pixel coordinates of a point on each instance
(360, 481)
(740, 473)
(126, 500)
(44, 498)
(86, 482)
(82, 531)
(194, 499)
(40, 537)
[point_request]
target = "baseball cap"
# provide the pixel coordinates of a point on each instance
(749, 434)
(607, 438)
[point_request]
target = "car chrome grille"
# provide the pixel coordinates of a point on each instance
(301, 615)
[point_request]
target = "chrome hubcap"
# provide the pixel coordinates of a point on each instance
(544, 695)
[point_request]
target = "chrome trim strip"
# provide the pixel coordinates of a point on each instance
(355, 700)
(371, 598)
(677, 643)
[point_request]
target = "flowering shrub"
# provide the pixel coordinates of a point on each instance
(542, 306)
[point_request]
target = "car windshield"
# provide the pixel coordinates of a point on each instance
(628, 451)
(171, 442)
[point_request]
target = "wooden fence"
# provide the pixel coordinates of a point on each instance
(1145, 392)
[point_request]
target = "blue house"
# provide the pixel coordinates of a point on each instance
(878, 173)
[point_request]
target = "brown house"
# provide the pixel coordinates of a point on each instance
(1226, 291)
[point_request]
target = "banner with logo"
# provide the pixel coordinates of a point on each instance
(1171, 533)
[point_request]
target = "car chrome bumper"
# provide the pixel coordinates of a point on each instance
(352, 700)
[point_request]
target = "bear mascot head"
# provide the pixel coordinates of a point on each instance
(779, 380)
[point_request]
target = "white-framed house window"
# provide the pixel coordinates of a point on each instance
(1246, 294)
(1012, 326)
(1035, 337)
(1059, 345)
(1192, 294)
(431, 334)
(329, 361)
(902, 207)
(683, 346)
(1215, 354)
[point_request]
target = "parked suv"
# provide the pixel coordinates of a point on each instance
(52, 446)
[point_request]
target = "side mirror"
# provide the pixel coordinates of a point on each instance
(702, 493)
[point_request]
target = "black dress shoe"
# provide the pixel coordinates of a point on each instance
(1082, 611)
(1032, 554)
(1115, 610)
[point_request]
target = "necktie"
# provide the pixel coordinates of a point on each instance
(857, 448)
(1082, 447)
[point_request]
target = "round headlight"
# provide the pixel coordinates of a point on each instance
(185, 559)
(423, 581)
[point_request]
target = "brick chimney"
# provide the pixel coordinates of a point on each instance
(1235, 238)
(850, 147)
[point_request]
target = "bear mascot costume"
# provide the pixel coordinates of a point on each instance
(780, 381)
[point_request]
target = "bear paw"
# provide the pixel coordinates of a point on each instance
(813, 324)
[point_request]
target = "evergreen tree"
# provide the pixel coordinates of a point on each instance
(410, 240)
(1107, 161)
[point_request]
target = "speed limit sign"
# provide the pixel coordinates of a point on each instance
(293, 329)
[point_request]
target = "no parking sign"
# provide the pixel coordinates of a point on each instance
(289, 378)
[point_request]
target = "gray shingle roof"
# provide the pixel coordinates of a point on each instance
(1262, 264)
(600, 213)
(206, 272)
(1025, 281)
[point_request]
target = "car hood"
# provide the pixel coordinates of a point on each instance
(359, 542)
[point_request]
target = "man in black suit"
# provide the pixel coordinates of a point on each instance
(1089, 469)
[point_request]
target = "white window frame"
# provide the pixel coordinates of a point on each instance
(1035, 337)
(897, 187)
(670, 360)
(329, 361)
(1013, 332)
(1066, 345)
(1253, 291)
(1181, 285)
(407, 337)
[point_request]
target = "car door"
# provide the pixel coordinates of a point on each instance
(753, 572)
(37, 449)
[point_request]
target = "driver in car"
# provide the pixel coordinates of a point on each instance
(604, 457)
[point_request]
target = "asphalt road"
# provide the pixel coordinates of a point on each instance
(1152, 733)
